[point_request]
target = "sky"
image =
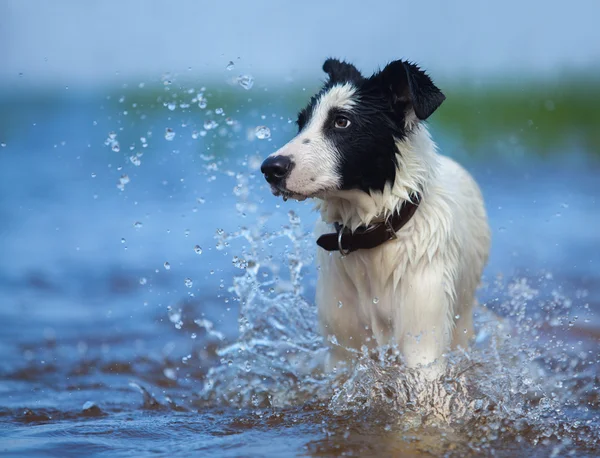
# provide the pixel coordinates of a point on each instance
(98, 42)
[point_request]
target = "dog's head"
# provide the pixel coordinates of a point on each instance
(348, 132)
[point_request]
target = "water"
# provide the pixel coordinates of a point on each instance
(171, 311)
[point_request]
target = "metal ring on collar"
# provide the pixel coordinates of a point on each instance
(340, 247)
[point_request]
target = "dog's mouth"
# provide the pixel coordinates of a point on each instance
(286, 194)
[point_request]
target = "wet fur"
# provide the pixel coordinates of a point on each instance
(417, 291)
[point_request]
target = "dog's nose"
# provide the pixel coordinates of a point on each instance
(276, 168)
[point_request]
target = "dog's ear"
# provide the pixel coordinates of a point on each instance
(340, 71)
(411, 86)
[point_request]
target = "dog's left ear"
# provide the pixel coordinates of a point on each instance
(411, 86)
(340, 71)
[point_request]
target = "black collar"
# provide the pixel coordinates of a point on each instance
(367, 237)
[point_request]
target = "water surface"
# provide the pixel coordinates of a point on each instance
(156, 299)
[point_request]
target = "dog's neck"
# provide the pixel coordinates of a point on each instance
(417, 165)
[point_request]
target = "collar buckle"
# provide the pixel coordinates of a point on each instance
(343, 252)
(390, 228)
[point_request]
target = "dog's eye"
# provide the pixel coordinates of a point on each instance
(341, 122)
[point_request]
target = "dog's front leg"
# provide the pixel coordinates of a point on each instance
(423, 324)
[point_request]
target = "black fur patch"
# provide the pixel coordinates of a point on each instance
(377, 120)
(339, 72)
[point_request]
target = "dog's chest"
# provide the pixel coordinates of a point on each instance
(356, 294)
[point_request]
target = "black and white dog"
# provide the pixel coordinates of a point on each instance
(403, 231)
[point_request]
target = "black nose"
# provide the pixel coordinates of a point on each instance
(276, 168)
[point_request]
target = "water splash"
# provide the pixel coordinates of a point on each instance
(522, 379)
(276, 359)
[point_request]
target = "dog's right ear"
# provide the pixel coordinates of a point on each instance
(411, 88)
(340, 71)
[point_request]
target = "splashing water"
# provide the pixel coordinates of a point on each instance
(520, 381)
(524, 380)
(274, 361)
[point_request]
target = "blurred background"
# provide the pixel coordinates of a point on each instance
(131, 133)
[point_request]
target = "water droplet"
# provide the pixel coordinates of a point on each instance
(135, 160)
(188, 282)
(137, 224)
(229, 121)
(116, 147)
(93, 175)
(456, 317)
(175, 316)
(170, 373)
(340, 304)
(332, 339)
(123, 240)
(169, 134)
(143, 281)
(122, 182)
(208, 326)
(262, 132)
(375, 300)
(219, 111)
(239, 262)
(230, 65)
(246, 81)
(211, 124)
(194, 335)
(171, 106)
(198, 249)
(167, 266)
(195, 135)
(3, 145)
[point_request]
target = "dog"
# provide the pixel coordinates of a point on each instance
(403, 233)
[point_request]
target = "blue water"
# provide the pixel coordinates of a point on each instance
(88, 308)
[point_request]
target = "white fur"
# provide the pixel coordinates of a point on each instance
(316, 163)
(418, 290)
